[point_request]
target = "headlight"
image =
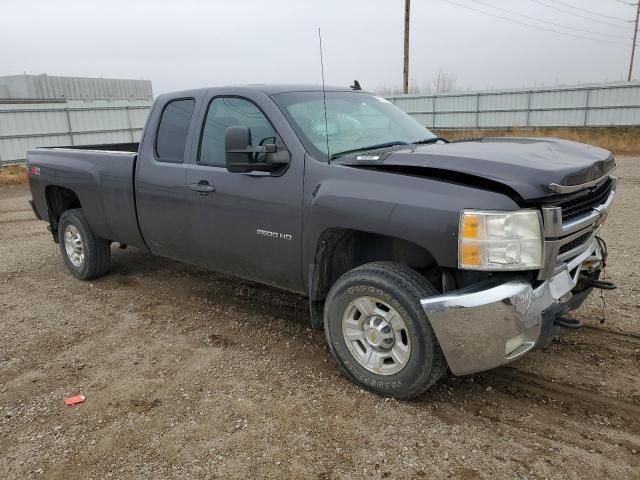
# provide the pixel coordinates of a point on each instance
(490, 240)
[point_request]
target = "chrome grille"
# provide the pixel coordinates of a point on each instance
(571, 223)
(584, 203)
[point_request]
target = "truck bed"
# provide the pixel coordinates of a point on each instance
(102, 178)
(105, 147)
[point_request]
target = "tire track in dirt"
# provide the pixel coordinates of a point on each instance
(568, 394)
(629, 181)
(542, 423)
(26, 210)
(18, 220)
(631, 338)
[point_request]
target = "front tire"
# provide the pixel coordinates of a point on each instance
(85, 255)
(378, 332)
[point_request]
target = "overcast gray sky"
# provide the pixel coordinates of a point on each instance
(190, 43)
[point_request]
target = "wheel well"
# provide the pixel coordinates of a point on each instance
(59, 200)
(340, 250)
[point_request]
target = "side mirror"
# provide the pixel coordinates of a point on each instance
(242, 157)
(237, 143)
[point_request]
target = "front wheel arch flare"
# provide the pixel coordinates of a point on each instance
(339, 250)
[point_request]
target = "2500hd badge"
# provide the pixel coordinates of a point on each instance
(267, 233)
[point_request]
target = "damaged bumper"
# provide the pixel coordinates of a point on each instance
(487, 324)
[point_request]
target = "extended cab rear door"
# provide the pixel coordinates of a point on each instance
(160, 176)
(246, 224)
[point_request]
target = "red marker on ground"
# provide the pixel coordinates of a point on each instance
(73, 400)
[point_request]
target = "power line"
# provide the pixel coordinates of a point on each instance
(627, 3)
(576, 14)
(533, 26)
(547, 21)
(591, 12)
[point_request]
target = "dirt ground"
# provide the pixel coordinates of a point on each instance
(191, 374)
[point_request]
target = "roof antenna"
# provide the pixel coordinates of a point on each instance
(355, 86)
(324, 100)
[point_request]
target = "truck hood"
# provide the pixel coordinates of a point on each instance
(527, 166)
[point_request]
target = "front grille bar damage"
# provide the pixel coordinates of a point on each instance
(571, 222)
(567, 247)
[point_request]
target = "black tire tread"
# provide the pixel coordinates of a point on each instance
(417, 287)
(98, 250)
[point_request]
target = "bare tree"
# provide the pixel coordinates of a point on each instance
(443, 82)
(414, 89)
(387, 90)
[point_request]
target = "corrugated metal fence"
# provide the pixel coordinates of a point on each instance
(60, 123)
(592, 105)
(50, 111)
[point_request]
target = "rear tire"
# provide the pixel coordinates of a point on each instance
(85, 255)
(378, 332)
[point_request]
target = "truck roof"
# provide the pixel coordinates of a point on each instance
(282, 88)
(269, 89)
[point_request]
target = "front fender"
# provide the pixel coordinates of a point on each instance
(419, 210)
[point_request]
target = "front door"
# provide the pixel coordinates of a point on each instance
(248, 224)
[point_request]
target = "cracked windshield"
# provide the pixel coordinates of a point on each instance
(354, 122)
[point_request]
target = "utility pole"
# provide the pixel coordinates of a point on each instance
(633, 47)
(405, 71)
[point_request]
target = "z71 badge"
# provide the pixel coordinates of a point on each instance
(34, 170)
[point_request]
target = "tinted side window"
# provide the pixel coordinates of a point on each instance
(225, 112)
(173, 129)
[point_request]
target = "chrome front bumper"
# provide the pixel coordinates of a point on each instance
(487, 325)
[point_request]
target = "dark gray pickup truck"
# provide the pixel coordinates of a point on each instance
(417, 254)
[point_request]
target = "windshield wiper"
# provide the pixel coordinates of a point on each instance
(369, 147)
(431, 140)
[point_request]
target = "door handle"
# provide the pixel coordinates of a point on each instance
(202, 187)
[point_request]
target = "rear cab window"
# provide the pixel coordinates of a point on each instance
(173, 130)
